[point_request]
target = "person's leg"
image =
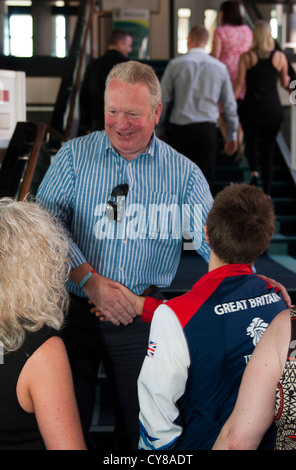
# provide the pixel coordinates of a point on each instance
(267, 143)
(204, 139)
(125, 348)
(251, 136)
(199, 143)
(179, 140)
(81, 339)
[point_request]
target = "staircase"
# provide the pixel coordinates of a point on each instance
(283, 193)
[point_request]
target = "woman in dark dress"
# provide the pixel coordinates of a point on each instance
(261, 111)
(38, 410)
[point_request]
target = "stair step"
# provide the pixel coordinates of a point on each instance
(230, 173)
(286, 224)
(279, 238)
(284, 205)
(288, 262)
(280, 171)
(282, 245)
(282, 188)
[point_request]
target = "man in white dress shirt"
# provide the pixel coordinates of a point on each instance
(195, 83)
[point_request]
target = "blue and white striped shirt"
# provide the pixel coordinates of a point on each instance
(168, 195)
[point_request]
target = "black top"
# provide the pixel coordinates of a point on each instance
(19, 429)
(261, 105)
(91, 100)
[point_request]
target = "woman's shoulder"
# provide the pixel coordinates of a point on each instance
(226, 30)
(246, 28)
(278, 57)
(35, 339)
(280, 324)
(249, 58)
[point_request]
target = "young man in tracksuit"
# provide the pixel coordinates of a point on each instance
(201, 341)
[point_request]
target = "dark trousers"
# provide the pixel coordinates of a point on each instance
(199, 143)
(122, 350)
(260, 144)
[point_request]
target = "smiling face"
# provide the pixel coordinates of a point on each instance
(129, 119)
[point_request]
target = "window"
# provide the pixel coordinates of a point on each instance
(18, 3)
(60, 39)
(274, 24)
(18, 29)
(210, 22)
(21, 35)
(183, 28)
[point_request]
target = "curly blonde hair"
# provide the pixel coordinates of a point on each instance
(34, 267)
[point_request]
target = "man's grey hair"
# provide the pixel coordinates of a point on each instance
(132, 72)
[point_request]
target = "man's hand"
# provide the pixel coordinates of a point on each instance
(135, 300)
(280, 286)
(106, 295)
(230, 147)
(109, 300)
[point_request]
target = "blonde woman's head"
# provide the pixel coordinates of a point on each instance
(262, 39)
(34, 268)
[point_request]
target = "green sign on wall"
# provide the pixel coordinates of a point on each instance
(136, 22)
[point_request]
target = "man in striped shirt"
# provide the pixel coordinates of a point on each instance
(128, 199)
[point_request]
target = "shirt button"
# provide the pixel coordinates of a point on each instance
(121, 269)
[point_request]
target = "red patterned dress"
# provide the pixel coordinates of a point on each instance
(234, 41)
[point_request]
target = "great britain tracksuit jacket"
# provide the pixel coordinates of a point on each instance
(198, 348)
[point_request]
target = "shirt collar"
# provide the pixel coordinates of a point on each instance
(151, 147)
(228, 270)
(197, 49)
(150, 151)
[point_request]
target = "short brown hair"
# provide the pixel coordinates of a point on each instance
(240, 223)
(199, 34)
(118, 35)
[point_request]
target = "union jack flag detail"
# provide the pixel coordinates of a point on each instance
(151, 349)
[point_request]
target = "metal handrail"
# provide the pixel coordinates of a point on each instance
(43, 132)
(78, 74)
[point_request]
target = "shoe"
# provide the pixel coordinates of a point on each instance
(254, 181)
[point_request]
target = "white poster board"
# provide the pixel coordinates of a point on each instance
(12, 103)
